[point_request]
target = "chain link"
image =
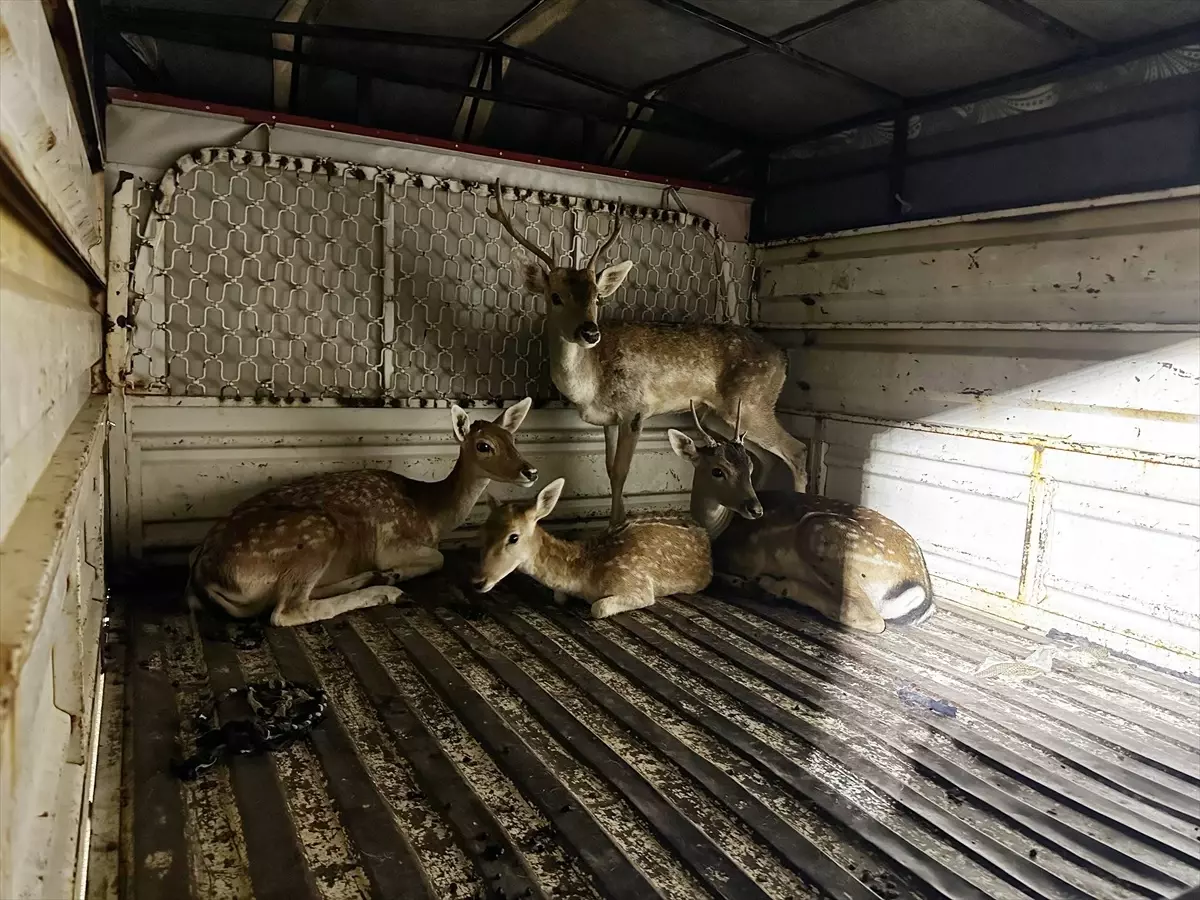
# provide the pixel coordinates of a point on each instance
(255, 274)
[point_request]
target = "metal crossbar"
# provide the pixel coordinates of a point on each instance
(260, 275)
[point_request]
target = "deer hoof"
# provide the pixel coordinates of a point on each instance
(868, 624)
(388, 594)
(602, 609)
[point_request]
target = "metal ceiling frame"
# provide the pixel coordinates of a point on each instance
(625, 141)
(230, 31)
(1019, 11)
(534, 20)
(645, 108)
(386, 74)
(788, 34)
(286, 76)
(1024, 13)
(1104, 56)
(729, 28)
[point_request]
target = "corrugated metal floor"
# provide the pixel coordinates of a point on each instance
(703, 748)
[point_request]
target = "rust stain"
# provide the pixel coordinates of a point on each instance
(1037, 528)
(1120, 412)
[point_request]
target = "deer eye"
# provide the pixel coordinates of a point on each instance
(483, 447)
(556, 299)
(718, 473)
(513, 538)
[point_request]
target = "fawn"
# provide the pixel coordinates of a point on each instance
(638, 370)
(851, 564)
(332, 543)
(624, 569)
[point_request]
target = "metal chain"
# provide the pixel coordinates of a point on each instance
(256, 274)
(281, 712)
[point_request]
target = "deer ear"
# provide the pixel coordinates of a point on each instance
(534, 275)
(547, 498)
(459, 421)
(511, 418)
(492, 502)
(611, 278)
(684, 446)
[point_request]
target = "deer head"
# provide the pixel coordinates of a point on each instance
(572, 295)
(722, 467)
(509, 535)
(488, 449)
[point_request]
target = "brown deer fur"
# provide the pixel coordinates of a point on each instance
(623, 374)
(626, 568)
(332, 543)
(851, 564)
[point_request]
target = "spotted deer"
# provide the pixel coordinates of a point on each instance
(332, 543)
(631, 371)
(850, 564)
(625, 568)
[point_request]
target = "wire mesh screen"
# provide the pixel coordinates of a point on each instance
(256, 274)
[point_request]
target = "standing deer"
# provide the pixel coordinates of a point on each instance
(332, 543)
(638, 370)
(623, 569)
(851, 564)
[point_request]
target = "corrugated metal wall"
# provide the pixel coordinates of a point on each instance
(51, 461)
(1021, 392)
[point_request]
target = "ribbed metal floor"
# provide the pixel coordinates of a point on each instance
(703, 748)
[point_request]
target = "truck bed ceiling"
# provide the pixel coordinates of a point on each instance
(718, 745)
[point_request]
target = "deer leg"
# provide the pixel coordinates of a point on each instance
(611, 437)
(627, 440)
(295, 609)
(619, 603)
(764, 429)
(853, 609)
(413, 563)
(302, 612)
(353, 583)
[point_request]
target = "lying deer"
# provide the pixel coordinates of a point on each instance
(639, 370)
(624, 569)
(332, 543)
(851, 564)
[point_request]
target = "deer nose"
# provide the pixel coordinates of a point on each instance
(589, 333)
(754, 509)
(530, 474)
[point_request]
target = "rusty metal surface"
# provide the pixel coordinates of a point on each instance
(711, 746)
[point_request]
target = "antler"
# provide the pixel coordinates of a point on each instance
(695, 418)
(612, 236)
(738, 436)
(502, 217)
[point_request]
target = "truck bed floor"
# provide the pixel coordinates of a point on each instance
(718, 745)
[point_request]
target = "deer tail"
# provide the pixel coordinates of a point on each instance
(908, 603)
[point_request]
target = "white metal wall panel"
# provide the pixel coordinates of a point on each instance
(39, 134)
(190, 462)
(979, 489)
(51, 606)
(1137, 391)
(1023, 393)
(49, 341)
(1122, 547)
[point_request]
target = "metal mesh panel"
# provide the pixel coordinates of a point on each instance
(256, 274)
